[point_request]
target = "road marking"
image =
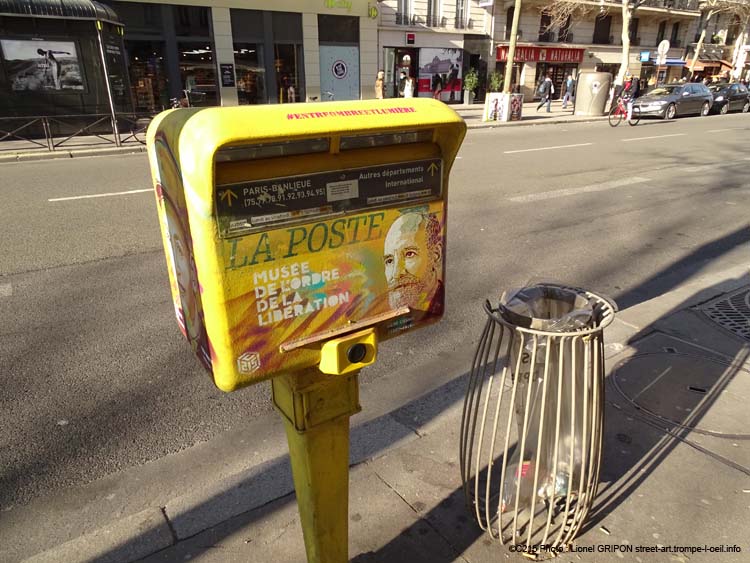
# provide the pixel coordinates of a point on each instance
(604, 186)
(719, 130)
(6, 290)
(654, 137)
(111, 194)
(548, 148)
(702, 168)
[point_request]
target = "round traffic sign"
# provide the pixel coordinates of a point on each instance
(663, 47)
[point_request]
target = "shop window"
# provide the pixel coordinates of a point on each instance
(251, 74)
(148, 77)
(288, 63)
(198, 73)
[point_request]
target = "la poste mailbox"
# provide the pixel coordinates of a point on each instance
(287, 226)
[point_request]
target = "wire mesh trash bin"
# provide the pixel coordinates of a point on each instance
(540, 361)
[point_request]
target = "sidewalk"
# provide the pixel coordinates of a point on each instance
(22, 151)
(676, 467)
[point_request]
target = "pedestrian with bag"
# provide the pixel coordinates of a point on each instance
(545, 90)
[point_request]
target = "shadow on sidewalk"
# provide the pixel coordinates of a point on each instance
(623, 469)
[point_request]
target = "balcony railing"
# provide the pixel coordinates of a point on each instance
(547, 37)
(565, 37)
(684, 5)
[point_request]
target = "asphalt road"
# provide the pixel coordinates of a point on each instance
(96, 377)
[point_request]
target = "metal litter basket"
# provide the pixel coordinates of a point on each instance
(540, 361)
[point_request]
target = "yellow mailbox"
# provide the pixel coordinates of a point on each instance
(297, 237)
(291, 225)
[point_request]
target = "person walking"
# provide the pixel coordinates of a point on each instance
(545, 90)
(380, 85)
(401, 84)
(409, 87)
(437, 86)
(570, 85)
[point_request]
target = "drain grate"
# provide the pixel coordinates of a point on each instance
(731, 312)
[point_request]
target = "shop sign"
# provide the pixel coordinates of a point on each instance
(645, 56)
(338, 4)
(540, 54)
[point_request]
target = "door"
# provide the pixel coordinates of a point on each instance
(339, 72)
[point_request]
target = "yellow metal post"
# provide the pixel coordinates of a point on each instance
(316, 408)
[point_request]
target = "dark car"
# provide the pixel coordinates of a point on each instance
(730, 97)
(671, 100)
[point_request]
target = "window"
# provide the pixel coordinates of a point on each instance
(601, 30)
(509, 22)
(198, 73)
(338, 29)
(403, 16)
(662, 31)
(733, 31)
(545, 34)
(675, 34)
(433, 13)
(250, 73)
(460, 14)
(565, 36)
(633, 31)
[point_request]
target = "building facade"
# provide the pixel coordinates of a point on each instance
(434, 42)
(593, 41)
(230, 52)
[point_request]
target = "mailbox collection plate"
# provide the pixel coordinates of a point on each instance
(245, 205)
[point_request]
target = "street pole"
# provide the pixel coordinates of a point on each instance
(512, 48)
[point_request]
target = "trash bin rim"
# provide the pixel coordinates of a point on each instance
(610, 308)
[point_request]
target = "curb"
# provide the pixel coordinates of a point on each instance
(549, 121)
(75, 153)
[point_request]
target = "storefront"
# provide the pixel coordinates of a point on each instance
(62, 58)
(435, 62)
(249, 52)
(539, 62)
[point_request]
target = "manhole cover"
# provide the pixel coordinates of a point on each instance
(693, 392)
(731, 312)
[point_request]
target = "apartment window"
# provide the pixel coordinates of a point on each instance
(565, 36)
(633, 31)
(545, 34)
(662, 31)
(733, 31)
(433, 13)
(674, 38)
(404, 12)
(601, 30)
(460, 14)
(509, 22)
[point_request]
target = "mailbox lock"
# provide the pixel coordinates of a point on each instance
(357, 353)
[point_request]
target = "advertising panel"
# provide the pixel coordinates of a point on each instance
(440, 73)
(39, 65)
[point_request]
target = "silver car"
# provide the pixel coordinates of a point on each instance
(671, 100)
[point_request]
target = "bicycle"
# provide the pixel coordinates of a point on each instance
(620, 112)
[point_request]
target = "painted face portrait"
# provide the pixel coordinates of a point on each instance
(412, 256)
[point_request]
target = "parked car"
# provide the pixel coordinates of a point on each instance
(670, 100)
(730, 97)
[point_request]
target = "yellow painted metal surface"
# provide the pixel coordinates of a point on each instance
(286, 223)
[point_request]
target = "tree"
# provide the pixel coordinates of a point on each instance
(560, 10)
(711, 8)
